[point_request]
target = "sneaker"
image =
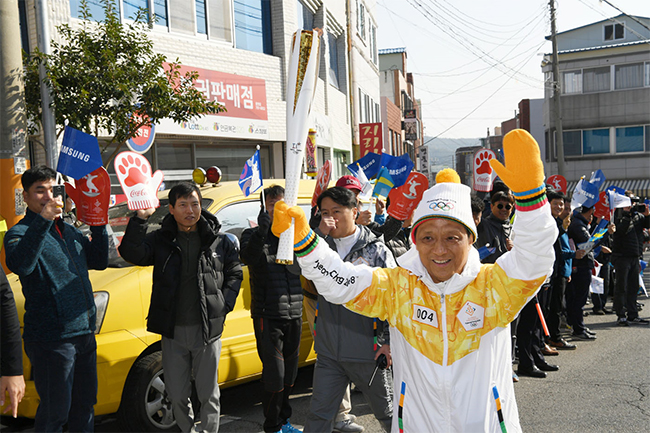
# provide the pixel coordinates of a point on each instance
(288, 428)
(589, 331)
(639, 321)
(515, 378)
(347, 425)
(622, 321)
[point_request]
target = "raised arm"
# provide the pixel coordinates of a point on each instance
(338, 281)
(136, 247)
(534, 230)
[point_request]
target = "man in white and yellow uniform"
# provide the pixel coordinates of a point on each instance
(448, 312)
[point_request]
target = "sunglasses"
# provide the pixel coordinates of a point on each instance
(501, 206)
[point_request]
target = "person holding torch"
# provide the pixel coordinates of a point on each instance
(448, 312)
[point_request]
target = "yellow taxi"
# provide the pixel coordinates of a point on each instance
(129, 359)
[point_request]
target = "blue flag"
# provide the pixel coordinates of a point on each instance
(585, 194)
(384, 183)
(597, 178)
(250, 179)
(399, 167)
(617, 189)
(79, 154)
(369, 164)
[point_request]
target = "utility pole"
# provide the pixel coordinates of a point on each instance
(557, 90)
(13, 120)
(47, 122)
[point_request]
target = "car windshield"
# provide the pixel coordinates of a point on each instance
(118, 218)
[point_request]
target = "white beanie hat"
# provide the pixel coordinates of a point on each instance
(448, 199)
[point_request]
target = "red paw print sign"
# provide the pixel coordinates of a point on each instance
(92, 197)
(138, 183)
(483, 173)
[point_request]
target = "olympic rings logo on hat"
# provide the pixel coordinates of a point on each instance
(441, 205)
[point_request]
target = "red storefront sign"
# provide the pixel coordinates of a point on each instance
(244, 97)
(370, 138)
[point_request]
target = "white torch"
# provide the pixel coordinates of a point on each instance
(301, 85)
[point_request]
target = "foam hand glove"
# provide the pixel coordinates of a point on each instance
(92, 197)
(282, 215)
(524, 171)
(138, 183)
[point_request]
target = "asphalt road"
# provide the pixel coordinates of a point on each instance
(602, 386)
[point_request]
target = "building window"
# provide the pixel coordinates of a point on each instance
(647, 74)
(647, 138)
(160, 10)
(596, 80)
(334, 60)
(95, 8)
(367, 104)
(628, 76)
(614, 32)
(181, 16)
(629, 139)
(201, 23)
(595, 141)
(305, 17)
(373, 43)
(253, 25)
(219, 16)
(377, 116)
(130, 7)
(571, 143)
(572, 82)
(361, 19)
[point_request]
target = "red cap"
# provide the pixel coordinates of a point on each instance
(349, 182)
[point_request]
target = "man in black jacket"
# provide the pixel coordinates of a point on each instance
(577, 290)
(494, 230)
(626, 249)
(276, 310)
(196, 280)
(11, 364)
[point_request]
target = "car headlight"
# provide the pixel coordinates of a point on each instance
(101, 303)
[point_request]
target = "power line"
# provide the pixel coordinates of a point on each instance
(613, 19)
(470, 46)
(627, 15)
(481, 104)
(526, 25)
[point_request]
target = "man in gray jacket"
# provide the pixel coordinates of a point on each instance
(347, 343)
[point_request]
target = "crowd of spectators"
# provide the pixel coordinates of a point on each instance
(348, 344)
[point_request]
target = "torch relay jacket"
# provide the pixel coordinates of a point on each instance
(450, 341)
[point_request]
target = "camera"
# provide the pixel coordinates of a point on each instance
(638, 207)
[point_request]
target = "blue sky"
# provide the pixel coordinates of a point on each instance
(476, 59)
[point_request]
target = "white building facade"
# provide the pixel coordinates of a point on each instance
(240, 49)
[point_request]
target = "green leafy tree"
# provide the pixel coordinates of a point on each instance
(104, 72)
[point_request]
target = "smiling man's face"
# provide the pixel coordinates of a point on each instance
(444, 247)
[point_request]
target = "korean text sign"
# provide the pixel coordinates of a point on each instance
(244, 97)
(370, 138)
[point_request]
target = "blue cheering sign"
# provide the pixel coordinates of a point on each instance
(369, 164)
(399, 167)
(79, 154)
